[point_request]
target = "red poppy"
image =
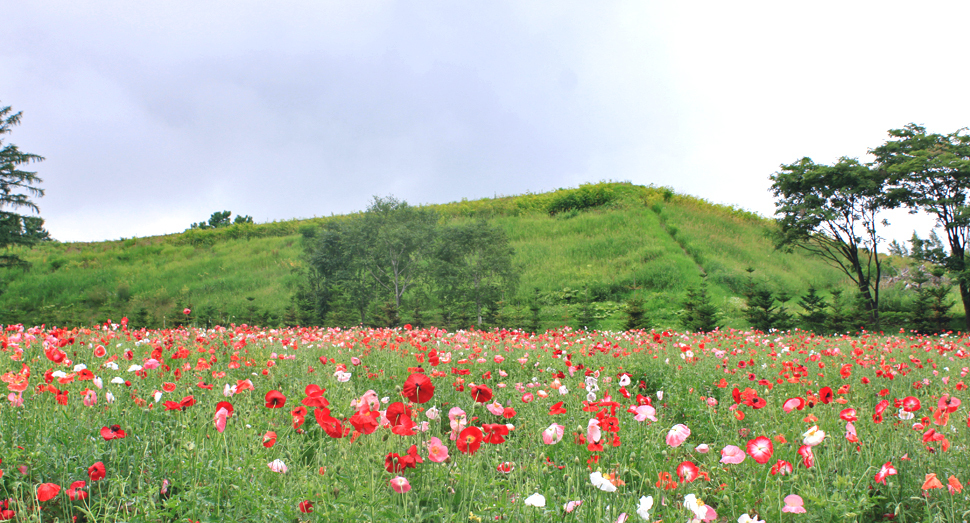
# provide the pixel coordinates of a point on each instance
(96, 472)
(687, 472)
(880, 408)
(168, 387)
(314, 396)
(74, 491)
(665, 480)
(306, 506)
(225, 405)
(418, 388)
(782, 467)
(112, 432)
(243, 385)
(187, 401)
(808, 458)
(911, 404)
(505, 468)
(557, 409)
(760, 449)
(365, 421)
(848, 415)
(396, 413)
(269, 439)
(481, 393)
(825, 395)
(332, 426)
(469, 440)
(172, 405)
(275, 399)
(47, 491)
(495, 432)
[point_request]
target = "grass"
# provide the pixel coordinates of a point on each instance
(177, 465)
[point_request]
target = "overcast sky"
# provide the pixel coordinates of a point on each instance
(152, 115)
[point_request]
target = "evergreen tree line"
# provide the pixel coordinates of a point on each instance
(395, 263)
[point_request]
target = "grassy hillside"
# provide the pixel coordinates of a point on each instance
(604, 242)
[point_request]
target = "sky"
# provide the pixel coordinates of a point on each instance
(153, 115)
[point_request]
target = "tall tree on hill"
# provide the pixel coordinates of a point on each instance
(931, 172)
(17, 187)
(473, 264)
(831, 211)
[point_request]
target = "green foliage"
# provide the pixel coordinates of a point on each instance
(764, 313)
(17, 187)
(814, 318)
(636, 315)
(831, 212)
(698, 313)
(586, 197)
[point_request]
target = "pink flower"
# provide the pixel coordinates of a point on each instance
(646, 412)
(732, 454)
(495, 408)
(793, 504)
(498, 358)
(553, 434)
(760, 449)
(677, 435)
(703, 448)
(572, 505)
(220, 419)
(437, 451)
(593, 431)
(278, 466)
(400, 484)
(886, 470)
(355, 361)
(16, 400)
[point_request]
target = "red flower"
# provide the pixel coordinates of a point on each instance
(275, 399)
(825, 395)
(314, 396)
(418, 388)
(332, 426)
(171, 405)
(481, 393)
(225, 405)
(687, 471)
(880, 408)
(495, 432)
(365, 421)
(911, 404)
(74, 491)
(112, 432)
(848, 415)
(469, 440)
(666, 481)
(96, 472)
(47, 491)
(808, 458)
(187, 401)
(760, 449)
(269, 439)
(782, 467)
(306, 506)
(557, 409)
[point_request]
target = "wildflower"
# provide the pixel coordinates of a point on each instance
(437, 451)
(700, 510)
(687, 471)
(645, 412)
(278, 466)
(732, 454)
(760, 449)
(269, 439)
(74, 491)
(536, 500)
(794, 504)
(275, 399)
(911, 404)
(47, 491)
(954, 485)
(848, 415)
(886, 470)
(481, 393)
(305, 506)
(220, 419)
(598, 481)
(469, 440)
(112, 432)
(703, 448)
(506, 467)
(571, 505)
(931, 482)
(643, 509)
(781, 467)
(418, 388)
(553, 434)
(677, 435)
(96, 472)
(748, 519)
(813, 436)
(400, 484)
(557, 409)
(808, 457)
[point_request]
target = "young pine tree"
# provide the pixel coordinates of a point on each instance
(814, 318)
(699, 314)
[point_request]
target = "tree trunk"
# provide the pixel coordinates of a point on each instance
(965, 296)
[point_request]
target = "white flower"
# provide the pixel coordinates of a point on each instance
(278, 466)
(98, 382)
(134, 368)
(591, 397)
(110, 365)
(118, 380)
(643, 510)
(79, 367)
(109, 397)
(660, 395)
(695, 505)
(342, 377)
(624, 380)
(158, 395)
(59, 374)
(601, 483)
(563, 390)
(903, 415)
(536, 500)
(433, 413)
(748, 519)
(813, 436)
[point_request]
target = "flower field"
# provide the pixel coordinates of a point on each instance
(248, 424)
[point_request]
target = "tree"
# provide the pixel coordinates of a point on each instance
(699, 314)
(762, 312)
(473, 264)
(831, 211)
(931, 172)
(814, 318)
(396, 239)
(17, 187)
(636, 315)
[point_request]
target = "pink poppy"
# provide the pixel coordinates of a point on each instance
(808, 457)
(495, 408)
(793, 404)
(793, 504)
(437, 451)
(884, 471)
(760, 449)
(400, 484)
(645, 412)
(677, 435)
(732, 455)
(553, 434)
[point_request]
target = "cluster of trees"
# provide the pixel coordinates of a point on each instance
(221, 219)
(833, 211)
(17, 187)
(370, 267)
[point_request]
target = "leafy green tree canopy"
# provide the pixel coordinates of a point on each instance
(17, 187)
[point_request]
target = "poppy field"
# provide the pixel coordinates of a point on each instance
(309, 424)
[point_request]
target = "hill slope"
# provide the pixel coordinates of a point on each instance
(607, 241)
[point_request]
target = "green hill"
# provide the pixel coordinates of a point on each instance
(601, 242)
